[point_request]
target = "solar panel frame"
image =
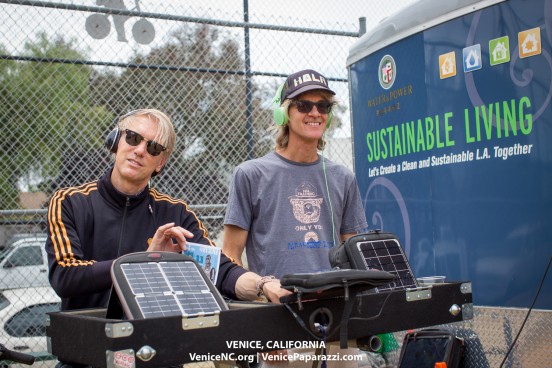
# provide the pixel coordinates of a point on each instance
(162, 284)
(382, 251)
(387, 255)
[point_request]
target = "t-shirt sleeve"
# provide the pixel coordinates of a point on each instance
(239, 210)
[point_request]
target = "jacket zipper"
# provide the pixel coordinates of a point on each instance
(127, 204)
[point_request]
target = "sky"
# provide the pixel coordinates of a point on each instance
(318, 14)
(18, 23)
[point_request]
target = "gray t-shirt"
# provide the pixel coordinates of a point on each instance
(285, 208)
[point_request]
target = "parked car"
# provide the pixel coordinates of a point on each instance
(23, 316)
(23, 262)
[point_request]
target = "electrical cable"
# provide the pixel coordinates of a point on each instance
(328, 188)
(528, 313)
(324, 352)
(303, 325)
(375, 316)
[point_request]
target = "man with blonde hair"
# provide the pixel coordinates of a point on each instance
(288, 208)
(91, 225)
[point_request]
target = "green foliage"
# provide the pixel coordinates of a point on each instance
(43, 102)
(192, 78)
(56, 113)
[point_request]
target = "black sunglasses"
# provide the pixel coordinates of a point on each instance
(134, 139)
(304, 106)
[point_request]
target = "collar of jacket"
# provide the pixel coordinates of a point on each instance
(116, 198)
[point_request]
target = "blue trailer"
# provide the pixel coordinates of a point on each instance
(452, 139)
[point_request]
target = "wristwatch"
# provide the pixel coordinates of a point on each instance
(261, 282)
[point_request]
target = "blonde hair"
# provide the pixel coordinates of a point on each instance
(282, 133)
(165, 136)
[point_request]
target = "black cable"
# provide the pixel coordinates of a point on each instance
(306, 328)
(528, 313)
(323, 330)
(302, 323)
(377, 315)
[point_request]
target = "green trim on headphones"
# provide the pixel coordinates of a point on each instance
(280, 114)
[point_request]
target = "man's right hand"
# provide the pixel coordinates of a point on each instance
(169, 238)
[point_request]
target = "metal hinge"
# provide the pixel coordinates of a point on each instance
(120, 329)
(418, 294)
(200, 322)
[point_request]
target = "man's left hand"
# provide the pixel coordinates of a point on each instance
(273, 291)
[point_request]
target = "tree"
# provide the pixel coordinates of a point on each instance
(207, 107)
(45, 109)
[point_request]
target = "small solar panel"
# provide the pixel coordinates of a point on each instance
(387, 255)
(161, 284)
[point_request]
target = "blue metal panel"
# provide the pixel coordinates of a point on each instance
(482, 209)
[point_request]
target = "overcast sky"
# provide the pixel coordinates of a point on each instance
(19, 24)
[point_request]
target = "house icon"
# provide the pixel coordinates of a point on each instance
(471, 57)
(500, 52)
(472, 60)
(530, 44)
(448, 66)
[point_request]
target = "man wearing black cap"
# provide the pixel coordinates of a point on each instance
(291, 206)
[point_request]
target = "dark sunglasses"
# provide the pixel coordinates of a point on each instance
(134, 139)
(304, 106)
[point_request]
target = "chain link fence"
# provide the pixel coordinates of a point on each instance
(68, 69)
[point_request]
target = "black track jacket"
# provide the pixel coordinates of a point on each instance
(91, 225)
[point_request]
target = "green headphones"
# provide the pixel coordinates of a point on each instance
(280, 113)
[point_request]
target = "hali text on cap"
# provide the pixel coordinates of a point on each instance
(309, 77)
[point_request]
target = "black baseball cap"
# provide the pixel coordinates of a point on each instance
(303, 81)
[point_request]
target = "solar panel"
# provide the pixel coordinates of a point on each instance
(387, 255)
(161, 284)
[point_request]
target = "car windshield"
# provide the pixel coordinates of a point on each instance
(28, 238)
(31, 320)
(3, 253)
(4, 302)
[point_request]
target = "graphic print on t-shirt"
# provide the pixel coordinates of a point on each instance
(306, 204)
(310, 230)
(311, 237)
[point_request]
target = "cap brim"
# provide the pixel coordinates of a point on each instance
(309, 88)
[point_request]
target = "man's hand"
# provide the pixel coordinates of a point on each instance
(246, 288)
(169, 238)
(273, 291)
